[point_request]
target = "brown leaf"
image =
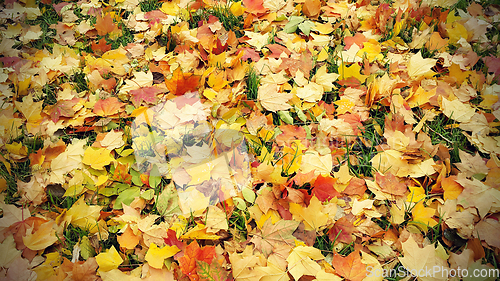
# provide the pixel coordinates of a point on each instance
(390, 184)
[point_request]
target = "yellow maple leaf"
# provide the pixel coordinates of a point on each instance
(156, 256)
(97, 157)
(301, 261)
(313, 161)
(311, 92)
(271, 99)
(457, 110)
(417, 259)
(199, 232)
(352, 71)
(325, 79)
(344, 105)
(422, 216)
(109, 260)
(372, 49)
(312, 216)
(42, 238)
(323, 28)
(456, 31)
(418, 66)
(83, 215)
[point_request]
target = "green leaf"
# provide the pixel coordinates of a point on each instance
(306, 26)
(239, 203)
(167, 203)
(126, 197)
(286, 117)
(154, 177)
(300, 114)
(148, 194)
(136, 177)
(248, 194)
(86, 249)
(293, 23)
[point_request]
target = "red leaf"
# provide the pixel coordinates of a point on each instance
(181, 83)
(254, 6)
(62, 108)
(172, 240)
(343, 228)
(323, 188)
(249, 53)
(146, 94)
(277, 50)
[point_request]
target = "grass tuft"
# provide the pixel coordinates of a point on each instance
(149, 5)
(253, 81)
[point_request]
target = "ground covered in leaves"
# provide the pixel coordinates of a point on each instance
(252, 140)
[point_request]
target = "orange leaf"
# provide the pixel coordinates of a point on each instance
(254, 6)
(349, 267)
(102, 46)
(104, 25)
(194, 253)
(108, 106)
(311, 8)
(181, 83)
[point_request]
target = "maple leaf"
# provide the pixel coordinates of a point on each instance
(97, 157)
(62, 108)
(144, 95)
(417, 259)
(349, 267)
(301, 261)
(312, 216)
(254, 6)
(42, 238)
(273, 235)
(418, 66)
(109, 260)
(452, 189)
(390, 184)
(105, 25)
(83, 215)
(311, 8)
(192, 254)
(424, 216)
(313, 161)
(155, 256)
(342, 230)
(271, 99)
(181, 83)
(107, 107)
(323, 188)
(210, 272)
(102, 46)
(128, 239)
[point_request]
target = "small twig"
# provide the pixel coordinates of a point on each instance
(438, 134)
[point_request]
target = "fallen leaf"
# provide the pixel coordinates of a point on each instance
(109, 260)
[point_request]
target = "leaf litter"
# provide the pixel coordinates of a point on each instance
(252, 140)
